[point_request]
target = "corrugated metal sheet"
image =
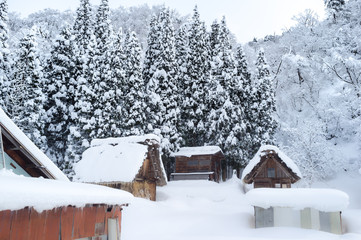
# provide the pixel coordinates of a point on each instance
(64, 223)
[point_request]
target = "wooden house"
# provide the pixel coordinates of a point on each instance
(46, 209)
(131, 163)
(39, 202)
(318, 209)
(198, 163)
(271, 168)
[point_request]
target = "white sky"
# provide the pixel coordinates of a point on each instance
(245, 18)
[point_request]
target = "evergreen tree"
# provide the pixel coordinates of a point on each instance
(182, 52)
(4, 56)
(265, 124)
(334, 7)
(26, 96)
(193, 109)
(244, 97)
(61, 69)
(134, 100)
(102, 78)
(162, 92)
(83, 26)
(118, 61)
(152, 51)
(82, 113)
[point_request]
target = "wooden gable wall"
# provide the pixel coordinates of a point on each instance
(271, 172)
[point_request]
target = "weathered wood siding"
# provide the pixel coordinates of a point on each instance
(272, 174)
(139, 188)
(201, 163)
(63, 223)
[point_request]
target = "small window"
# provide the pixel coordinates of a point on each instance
(271, 173)
(192, 163)
(205, 162)
(277, 185)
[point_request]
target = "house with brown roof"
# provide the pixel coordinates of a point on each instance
(271, 168)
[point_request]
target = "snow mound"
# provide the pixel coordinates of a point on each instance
(327, 200)
(30, 147)
(113, 159)
(261, 152)
(42, 194)
(192, 151)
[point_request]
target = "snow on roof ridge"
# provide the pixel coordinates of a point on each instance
(200, 150)
(119, 140)
(29, 146)
(257, 158)
(322, 199)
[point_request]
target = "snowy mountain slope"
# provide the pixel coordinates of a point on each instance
(207, 210)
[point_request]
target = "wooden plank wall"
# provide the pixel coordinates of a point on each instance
(65, 223)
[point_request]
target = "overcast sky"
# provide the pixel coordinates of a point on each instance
(245, 18)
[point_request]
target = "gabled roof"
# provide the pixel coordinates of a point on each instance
(31, 153)
(258, 159)
(114, 159)
(194, 151)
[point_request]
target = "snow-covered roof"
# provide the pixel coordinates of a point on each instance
(30, 147)
(18, 192)
(262, 151)
(327, 200)
(193, 151)
(113, 159)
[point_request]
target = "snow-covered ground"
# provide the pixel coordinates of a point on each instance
(207, 210)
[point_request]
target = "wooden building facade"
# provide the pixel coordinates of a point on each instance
(198, 163)
(138, 173)
(62, 223)
(271, 169)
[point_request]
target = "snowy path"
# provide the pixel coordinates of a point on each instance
(205, 210)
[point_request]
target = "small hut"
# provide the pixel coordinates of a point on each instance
(318, 209)
(20, 155)
(271, 168)
(130, 163)
(198, 163)
(42, 209)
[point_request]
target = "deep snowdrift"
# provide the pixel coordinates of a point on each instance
(207, 210)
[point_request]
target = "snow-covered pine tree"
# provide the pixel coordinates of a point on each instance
(4, 56)
(102, 79)
(243, 93)
(264, 103)
(26, 96)
(153, 49)
(225, 126)
(60, 72)
(83, 26)
(83, 112)
(214, 37)
(193, 109)
(162, 92)
(118, 60)
(334, 7)
(134, 99)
